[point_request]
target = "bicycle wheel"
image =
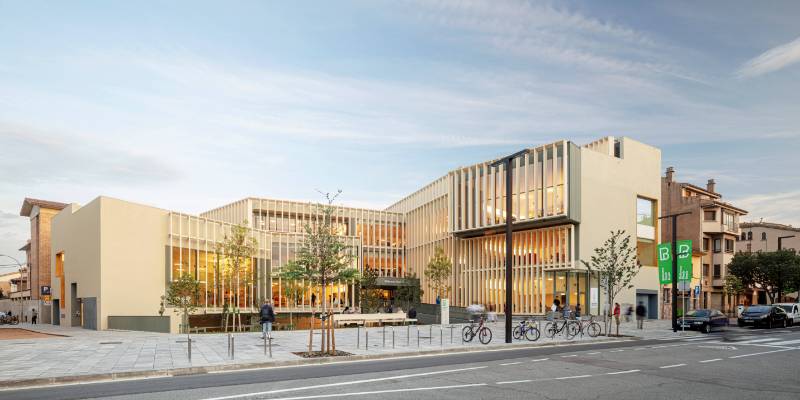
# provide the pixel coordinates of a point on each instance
(467, 334)
(485, 335)
(517, 333)
(550, 330)
(532, 333)
(572, 329)
(593, 329)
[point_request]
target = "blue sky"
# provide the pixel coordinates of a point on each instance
(189, 105)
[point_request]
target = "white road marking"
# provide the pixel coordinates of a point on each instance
(540, 359)
(573, 377)
(511, 363)
(696, 339)
(763, 352)
(758, 341)
(510, 382)
(785, 342)
(322, 396)
(672, 366)
(711, 360)
(346, 383)
(616, 351)
(571, 355)
(623, 372)
(593, 353)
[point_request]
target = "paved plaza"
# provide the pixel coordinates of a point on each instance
(80, 352)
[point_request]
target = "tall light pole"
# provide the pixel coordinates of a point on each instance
(674, 218)
(509, 239)
(780, 240)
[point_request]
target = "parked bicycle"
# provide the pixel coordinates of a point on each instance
(480, 330)
(556, 327)
(5, 319)
(528, 329)
(589, 326)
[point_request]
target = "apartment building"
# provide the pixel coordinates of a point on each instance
(713, 228)
(767, 236)
(567, 198)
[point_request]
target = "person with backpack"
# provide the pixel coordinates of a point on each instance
(267, 318)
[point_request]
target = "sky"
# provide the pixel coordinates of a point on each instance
(188, 105)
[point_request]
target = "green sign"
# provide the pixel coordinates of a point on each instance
(684, 261)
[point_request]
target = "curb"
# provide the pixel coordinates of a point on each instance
(130, 375)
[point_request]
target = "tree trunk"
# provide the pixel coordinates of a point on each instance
(311, 334)
(333, 337)
(324, 346)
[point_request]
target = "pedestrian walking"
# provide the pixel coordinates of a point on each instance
(616, 315)
(641, 311)
(34, 316)
(628, 313)
(267, 318)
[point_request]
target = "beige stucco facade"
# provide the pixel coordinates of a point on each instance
(112, 259)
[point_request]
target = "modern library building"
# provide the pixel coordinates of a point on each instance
(112, 260)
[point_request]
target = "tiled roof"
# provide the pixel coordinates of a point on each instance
(768, 225)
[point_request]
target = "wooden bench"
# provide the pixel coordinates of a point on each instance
(366, 319)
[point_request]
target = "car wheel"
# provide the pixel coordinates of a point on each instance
(740, 325)
(785, 323)
(707, 328)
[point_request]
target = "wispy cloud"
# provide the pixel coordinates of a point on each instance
(771, 60)
(780, 207)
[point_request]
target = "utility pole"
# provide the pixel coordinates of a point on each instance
(674, 218)
(780, 241)
(506, 161)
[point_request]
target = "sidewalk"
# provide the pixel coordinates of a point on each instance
(93, 355)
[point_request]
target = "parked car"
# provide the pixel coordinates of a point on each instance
(703, 320)
(793, 311)
(766, 316)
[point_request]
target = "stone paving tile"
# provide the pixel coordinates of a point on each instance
(81, 352)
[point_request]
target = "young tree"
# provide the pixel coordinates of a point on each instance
(182, 294)
(370, 293)
(438, 273)
(323, 258)
(409, 295)
(616, 264)
(236, 252)
(733, 287)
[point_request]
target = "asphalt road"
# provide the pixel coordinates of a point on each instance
(736, 364)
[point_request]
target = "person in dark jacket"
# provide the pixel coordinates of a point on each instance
(412, 313)
(267, 318)
(641, 312)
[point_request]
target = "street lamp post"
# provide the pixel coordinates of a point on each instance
(674, 218)
(780, 241)
(509, 239)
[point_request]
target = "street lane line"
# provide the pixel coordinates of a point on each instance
(573, 377)
(785, 342)
(594, 353)
(569, 355)
(511, 363)
(540, 359)
(763, 352)
(322, 396)
(712, 360)
(758, 341)
(623, 372)
(510, 382)
(346, 383)
(616, 351)
(672, 366)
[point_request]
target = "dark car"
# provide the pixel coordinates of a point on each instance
(766, 316)
(703, 320)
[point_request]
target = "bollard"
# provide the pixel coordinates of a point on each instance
(265, 345)
(462, 334)
(358, 336)
(190, 349)
(270, 347)
(441, 336)
(392, 337)
(229, 345)
(384, 336)
(366, 338)
(451, 333)
(233, 347)
(408, 335)
(430, 334)
(418, 337)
